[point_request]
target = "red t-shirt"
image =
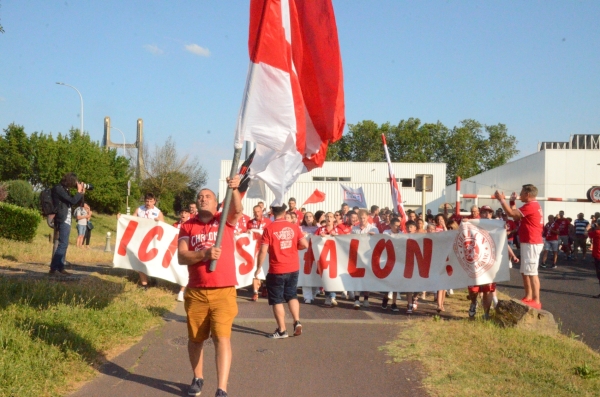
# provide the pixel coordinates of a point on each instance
(282, 238)
(383, 226)
(241, 226)
(201, 236)
(511, 227)
(594, 235)
(256, 224)
(299, 214)
(532, 223)
(563, 226)
(548, 231)
(177, 225)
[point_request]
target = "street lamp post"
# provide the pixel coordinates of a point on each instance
(81, 100)
(124, 155)
(115, 128)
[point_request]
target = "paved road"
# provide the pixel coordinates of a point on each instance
(568, 293)
(337, 355)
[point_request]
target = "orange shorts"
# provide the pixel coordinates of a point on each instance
(210, 311)
(482, 288)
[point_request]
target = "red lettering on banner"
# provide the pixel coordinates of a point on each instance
(143, 254)
(413, 250)
(247, 266)
(389, 263)
(170, 252)
(353, 270)
(331, 264)
(127, 235)
(309, 258)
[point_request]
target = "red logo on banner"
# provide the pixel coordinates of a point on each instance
(475, 250)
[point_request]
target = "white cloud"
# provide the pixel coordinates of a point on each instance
(153, 49)
(197, 50)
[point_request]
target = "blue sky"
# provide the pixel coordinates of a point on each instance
(181, 66)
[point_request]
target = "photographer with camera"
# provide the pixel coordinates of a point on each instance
(63, 201)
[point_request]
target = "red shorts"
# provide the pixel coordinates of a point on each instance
(482, 288)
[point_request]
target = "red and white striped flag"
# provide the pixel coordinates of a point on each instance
(293, 104)
(396, 196)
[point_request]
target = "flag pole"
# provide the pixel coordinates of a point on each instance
(226, 204)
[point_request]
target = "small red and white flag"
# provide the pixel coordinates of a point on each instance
(396, 196)
(317, 197)
(293, 104)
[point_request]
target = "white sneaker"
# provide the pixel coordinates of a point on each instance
(366, 304)
(356, 305)
(180, 296)
(450, 292)
(308, 301)
(333, 302)
(345, 293)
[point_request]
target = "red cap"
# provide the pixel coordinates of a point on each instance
(485, 208)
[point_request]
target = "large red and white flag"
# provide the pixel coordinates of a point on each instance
(396, 196)
(293, 104)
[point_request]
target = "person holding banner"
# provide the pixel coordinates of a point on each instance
(210, 297)
(282, 240)
(148, 211)
(530, 238)
(364, 227)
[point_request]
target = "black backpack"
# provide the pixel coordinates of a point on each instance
(47, 206)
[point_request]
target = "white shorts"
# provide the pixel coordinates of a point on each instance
(530, 258)
(551, 245)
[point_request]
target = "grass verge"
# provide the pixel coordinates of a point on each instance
(475, 357)
(40, 249)
(53, 334)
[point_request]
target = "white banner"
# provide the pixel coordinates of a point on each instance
(474, 255)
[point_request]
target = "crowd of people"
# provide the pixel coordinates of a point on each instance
(210, 295)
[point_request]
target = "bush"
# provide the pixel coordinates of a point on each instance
(20, 193)
(18, 223)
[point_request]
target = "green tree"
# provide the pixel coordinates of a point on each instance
(467, 149)
(16, 154)
(169, 175)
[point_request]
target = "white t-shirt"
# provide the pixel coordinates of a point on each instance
(147, 213)
(79, 211)
(370, 228)
(390, 233)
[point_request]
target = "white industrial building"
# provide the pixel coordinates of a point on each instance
(372, 177)
(557, 169)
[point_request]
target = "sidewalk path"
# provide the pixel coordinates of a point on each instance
(337, 355)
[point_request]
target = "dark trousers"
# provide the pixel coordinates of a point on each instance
(88, 234)
(58, 259)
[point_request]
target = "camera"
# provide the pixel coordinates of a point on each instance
(88, 186)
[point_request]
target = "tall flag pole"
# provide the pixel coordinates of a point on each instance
(396, 196)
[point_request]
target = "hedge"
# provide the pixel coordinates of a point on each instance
(20, 193)
(18, 223)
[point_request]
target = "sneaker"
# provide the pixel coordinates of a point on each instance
(328, 302)
(384, 303)
(472, 309)
(66, 273)
(534, 305)
(366, 304)
(221, 393)
(255, 296)
(180, 296)
(356, 305)
(297, 328)
(409, 309)
(525, 300)
(333, 301)
(196, 387)
(278, 335)
(415, 306)
(395, 308)
(553, 266)
(450, 292)
(308, 301)
(543, 265)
